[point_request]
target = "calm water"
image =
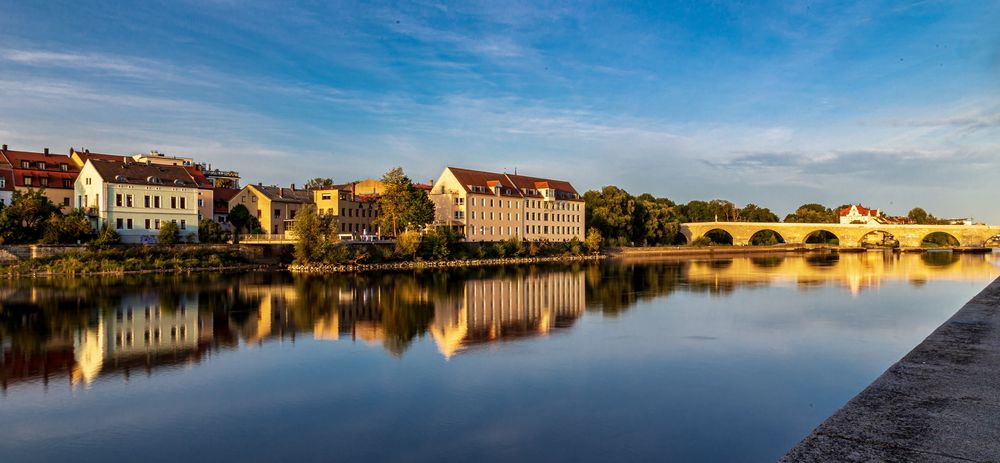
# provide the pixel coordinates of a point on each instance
(730, 360)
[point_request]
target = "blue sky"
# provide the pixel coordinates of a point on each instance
(892, 104)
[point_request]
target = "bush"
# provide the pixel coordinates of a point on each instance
(106, 237)
(209, 231)
(407, 244)
(170, 233)
(702, 241)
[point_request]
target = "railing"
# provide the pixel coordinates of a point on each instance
(220, 173)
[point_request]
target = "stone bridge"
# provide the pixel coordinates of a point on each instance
(848, 234)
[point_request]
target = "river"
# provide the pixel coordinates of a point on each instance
(684, 360)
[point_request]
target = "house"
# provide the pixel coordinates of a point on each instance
(81, 156)
(274, 206)
(222, 197)
(136, 198)
(859, 214)
(206, 193)
(354, 214)
(489, 206)
(6, 180)
(52, 173)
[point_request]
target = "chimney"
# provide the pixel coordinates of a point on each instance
(293, 187)
(71, 150)
(5, 147)
(46, 151)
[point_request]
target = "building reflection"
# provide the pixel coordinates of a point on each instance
(79, 331)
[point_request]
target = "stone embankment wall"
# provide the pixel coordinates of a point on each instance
(410, 265)
(256, 254)
(696, 251)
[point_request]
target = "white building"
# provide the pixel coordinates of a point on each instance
(136, 198)
(859, 214)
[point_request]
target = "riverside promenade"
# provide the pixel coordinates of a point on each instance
(940, 403)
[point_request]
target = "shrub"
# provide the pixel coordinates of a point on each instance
(170, 233)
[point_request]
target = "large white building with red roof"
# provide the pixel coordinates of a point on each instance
(490, 206)
(859, 214)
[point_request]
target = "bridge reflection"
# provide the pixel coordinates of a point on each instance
(78, 331)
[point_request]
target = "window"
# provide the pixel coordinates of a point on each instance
(156, 203)
(44, 181)
(291, 214)
(118, 200)
(201, 202)
(27, 181)
(66, 201)
(67, 183)
(129, 201)
(3, 182)
(326, 196)
(25, 164)
(86, 181)
(156, 224)
(173, 202)
(63, 167)
(147, 224)
(119, 223)
(183, 203)
(128, 224)
(183, 224)
(40, 165)
(277, 214)
(145, 201)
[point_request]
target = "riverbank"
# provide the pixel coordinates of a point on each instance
(734, 251)
(132, 260)
(941, 402)
(423, 264)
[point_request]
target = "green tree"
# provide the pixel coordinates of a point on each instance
(209, 231)
(407, 244)
(319, 183)
(67, 229)
(310, 238)
(239, 219)
(107, 236)
(813, 213)
(755, 213)
(920, 216)
(594, 241)
(402, 206)
(24, 221)
(619, 216)
(170, 233)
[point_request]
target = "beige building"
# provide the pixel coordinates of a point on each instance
(53, 174)
(354, 214)
(274, 206)
(135, 199)
(488, 206)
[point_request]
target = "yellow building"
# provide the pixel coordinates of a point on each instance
(275, 207)
(53, 174)
(488, 206)
(354, 214)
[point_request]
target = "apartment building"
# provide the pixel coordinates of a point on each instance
(137, 198)
(354, 214)
(52, 173)
(274, 206)
(489, 206)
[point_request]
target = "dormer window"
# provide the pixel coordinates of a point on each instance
(41, 165)
(25, 164)
(27, 181)
(64, 167)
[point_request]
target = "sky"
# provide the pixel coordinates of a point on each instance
(890, 104)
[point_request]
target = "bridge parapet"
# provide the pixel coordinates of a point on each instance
(847, 234)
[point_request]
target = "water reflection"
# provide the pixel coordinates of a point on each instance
(78, 331)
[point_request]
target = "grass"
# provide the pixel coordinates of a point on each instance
(126, 259)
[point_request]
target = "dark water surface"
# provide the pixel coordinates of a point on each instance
(728, 360)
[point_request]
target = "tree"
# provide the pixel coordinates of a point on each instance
(753, 213)
(310, 237)
(594, 241)
(813, 213)
(319, 183)
(407, 243)
(170, 233)
(107, 236)
(402, 206)
(239, 218)
(25, 219)
(67, 229)
(615, 213)
(209, 231)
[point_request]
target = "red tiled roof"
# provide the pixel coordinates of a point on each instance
(85, 155)
(564, 190)
(8, 180)
(143, 174)
(487, 180)
(52, 170)
(199, 178)
(861, 210)
(222, 196)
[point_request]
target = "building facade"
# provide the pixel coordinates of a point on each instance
(136, 199)
(354, 215)
(859, 214)
(53, 174)
(488, 206)
(275, 207)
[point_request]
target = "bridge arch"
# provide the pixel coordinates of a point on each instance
(878, 238)
(992, 242)
(719, 236)
(939, 239)
(821, 236)
(765, 237)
